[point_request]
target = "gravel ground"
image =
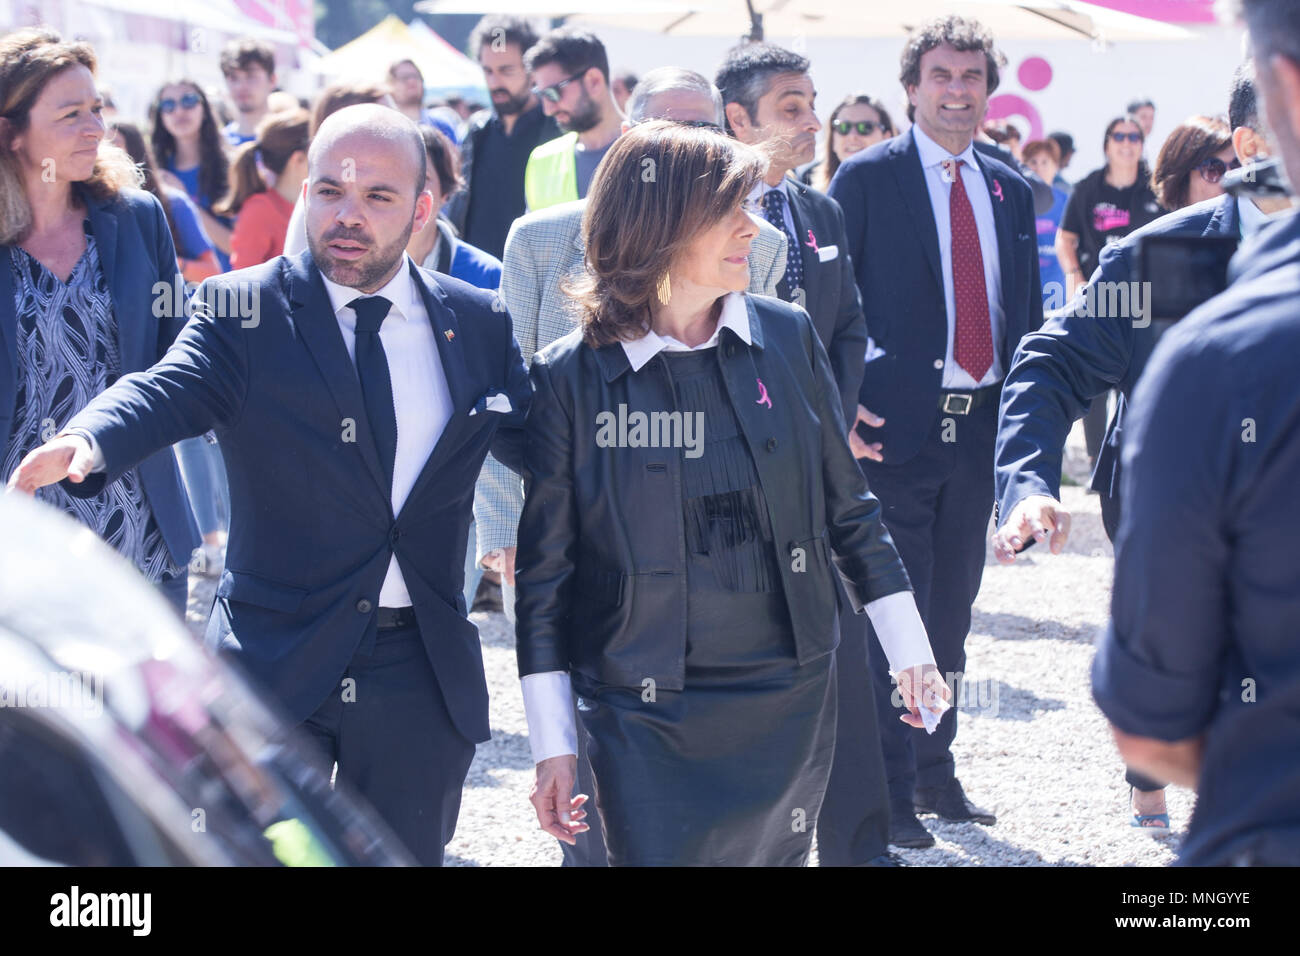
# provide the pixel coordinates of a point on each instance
(1032, 747)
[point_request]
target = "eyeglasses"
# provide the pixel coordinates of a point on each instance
(863, 127)
(187, 102)
(1126, 137)
(1213, 169)
(553, 93)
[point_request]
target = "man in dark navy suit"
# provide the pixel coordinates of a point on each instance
(942, 239)
(354, 405)
(1199, 673)
(1079, 355)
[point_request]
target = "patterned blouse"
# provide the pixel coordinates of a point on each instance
(68, 354)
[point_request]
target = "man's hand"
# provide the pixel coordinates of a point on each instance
(502, 561)
(63, 456)
(922, 686)
(1037, 517)
(559, 815)
(860, 448)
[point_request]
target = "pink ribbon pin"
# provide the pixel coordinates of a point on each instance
(812, 241)
(763, 398)
(997, 190)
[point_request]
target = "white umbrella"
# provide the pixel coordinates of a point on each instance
(1022, 19)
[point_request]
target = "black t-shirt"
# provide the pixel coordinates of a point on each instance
(1100, 214)
(496, 196)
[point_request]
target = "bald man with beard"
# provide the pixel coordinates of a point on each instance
(355, 397)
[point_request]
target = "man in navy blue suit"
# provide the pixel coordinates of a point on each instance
(1080, 354)
(942, 240)
(354, 403)
(1199, 673)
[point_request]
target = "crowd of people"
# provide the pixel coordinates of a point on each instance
(727, 419)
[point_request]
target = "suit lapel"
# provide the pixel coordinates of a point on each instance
(801, 216)
(1002, 223)
(313, 317)
(916, 196)
(120, 288)
(8, 343)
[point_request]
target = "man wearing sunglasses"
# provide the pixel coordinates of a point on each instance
(1077, 356)
(571, 77)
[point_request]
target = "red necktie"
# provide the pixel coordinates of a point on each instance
(973, 338)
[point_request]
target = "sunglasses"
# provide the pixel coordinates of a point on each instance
(1126, 137)
(187, 102)
(862, 127)
(553, 93)
(1213, 169)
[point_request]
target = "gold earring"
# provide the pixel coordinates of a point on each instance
(663, 289)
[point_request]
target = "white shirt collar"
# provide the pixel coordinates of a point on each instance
(735, 316)
(1252, 217)
(399, 290)
(932, 154)
(761, 189)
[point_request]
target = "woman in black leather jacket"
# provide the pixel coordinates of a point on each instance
(689, 494)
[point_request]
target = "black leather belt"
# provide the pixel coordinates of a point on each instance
(963, 403)
(391, 617)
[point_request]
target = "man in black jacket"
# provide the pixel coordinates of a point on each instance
(498, 144)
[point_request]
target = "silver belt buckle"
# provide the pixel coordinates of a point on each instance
(957, 404)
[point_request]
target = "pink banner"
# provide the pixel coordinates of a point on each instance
(1170, 11)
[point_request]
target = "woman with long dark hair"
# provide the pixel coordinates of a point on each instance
(857, 122)
(83, 252)
(690, 495)
(191, 153)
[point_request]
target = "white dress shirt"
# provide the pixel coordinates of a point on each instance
(421, 397)
(548, 696)
(937, 181)
(761, 189)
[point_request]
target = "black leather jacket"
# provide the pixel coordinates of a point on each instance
(601, 565)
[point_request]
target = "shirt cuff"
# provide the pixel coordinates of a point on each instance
(899, 629)
(98, 464)
(548, 707)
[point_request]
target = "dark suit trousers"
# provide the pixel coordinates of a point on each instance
(853, 826)
(395, 743)
(937, 507)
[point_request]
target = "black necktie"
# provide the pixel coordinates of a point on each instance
(774, 212)
(376, 385)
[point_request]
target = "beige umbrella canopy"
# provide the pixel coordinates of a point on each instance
(1021, 19)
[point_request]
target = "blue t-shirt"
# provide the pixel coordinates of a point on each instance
(233, 136)
(190, 179)
(1049, 267)
(193, 239)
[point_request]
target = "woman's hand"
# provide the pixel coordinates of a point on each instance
(922, 686)
(558, 814)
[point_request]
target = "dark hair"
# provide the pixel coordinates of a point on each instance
(635, 226)
(1243, 108)
(1063, 140)
(503, 28)
(1191, 143)
(334, 98)
(137, 148)
(574, 49)
(243, 52)
(1119, 121)
(279, 136)
(746, 74)
(1036, 146)
(1138, 104)
(962, 35)
(1274, 27)
(627, 78)
(444, 158)
(831, 162)
(214, 173)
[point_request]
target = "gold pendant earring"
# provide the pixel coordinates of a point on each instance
(664, 289)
